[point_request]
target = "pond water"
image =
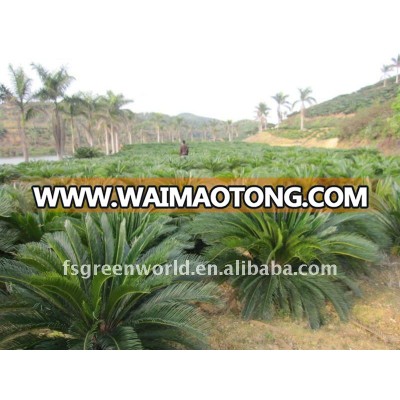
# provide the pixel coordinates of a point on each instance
(17, 160)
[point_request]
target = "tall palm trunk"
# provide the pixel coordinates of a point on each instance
(72, 126)
(78, 137)
(112, 139)
(62, 135)
(57, 134)
(89, 135)
(106, 140)
(279, 115)
(302, 118)
(116, 134)
(229, 134)
(158, 134)
(24, 143)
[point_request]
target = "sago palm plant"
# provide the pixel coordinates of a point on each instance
(19, 223)
(386, 205)
(47, 309)
(287, 238)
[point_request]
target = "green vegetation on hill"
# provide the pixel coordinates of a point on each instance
(369, 114)
(350, 103)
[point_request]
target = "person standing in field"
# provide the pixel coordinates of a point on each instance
(184, 149)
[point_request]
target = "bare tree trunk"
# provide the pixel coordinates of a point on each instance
(106, 140)
(89, 136)
(62, 133)
(78, 137)
(158, 134)
(24, 143)
(112, 139)
(72, 136)
(142, 135)
(57, 134)
(116, 133)
(279, 115)
(302, 118)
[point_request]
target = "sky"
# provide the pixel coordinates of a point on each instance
(212, 58)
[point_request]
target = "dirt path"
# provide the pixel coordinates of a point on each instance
(374, 323)
(309, 141)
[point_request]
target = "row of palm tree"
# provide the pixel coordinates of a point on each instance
(95, 113)
(387, 68)
(283, 104)
(93, 120)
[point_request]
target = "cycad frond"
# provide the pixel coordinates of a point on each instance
(54, 308)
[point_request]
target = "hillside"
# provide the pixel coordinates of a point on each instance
(364, 118)
(362, 98)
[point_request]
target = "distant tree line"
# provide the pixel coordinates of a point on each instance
(93, 120)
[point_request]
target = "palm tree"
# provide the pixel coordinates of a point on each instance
(396, 64)
(51, 308)
(305, 99)
(262, 113)
(229, 129)
(178, 125)
(54, 87)
(281, 101)
(287, 238)
(214, 127)
(129, 122)
(385, 73)
(158, 119)
(21, 96)
(91, 106)
(113, 111)
(73, 108)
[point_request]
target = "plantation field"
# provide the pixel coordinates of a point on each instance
(216, 159)
(41, 307)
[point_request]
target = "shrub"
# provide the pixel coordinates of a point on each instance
(288, 238)
(87, 152)
(50, 310)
